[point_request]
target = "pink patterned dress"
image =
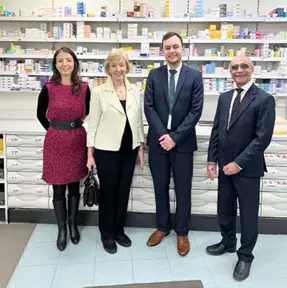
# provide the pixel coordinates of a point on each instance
(65, 151)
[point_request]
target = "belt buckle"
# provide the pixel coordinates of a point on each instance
(73, 124)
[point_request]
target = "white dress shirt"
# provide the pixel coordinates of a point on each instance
(176, 76)
(245, 89)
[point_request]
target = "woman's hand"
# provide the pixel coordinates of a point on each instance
(91, 164)
(140, 158)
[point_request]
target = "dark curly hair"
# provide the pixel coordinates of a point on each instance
(75, 79)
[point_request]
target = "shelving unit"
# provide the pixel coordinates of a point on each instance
(23, 185)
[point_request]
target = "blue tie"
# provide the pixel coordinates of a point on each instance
(171, 88)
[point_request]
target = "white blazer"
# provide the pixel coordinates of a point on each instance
(107, 117)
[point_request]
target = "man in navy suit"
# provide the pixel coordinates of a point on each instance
(173, 106)
(242, 130)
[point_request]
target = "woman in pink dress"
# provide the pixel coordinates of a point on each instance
(63, 104)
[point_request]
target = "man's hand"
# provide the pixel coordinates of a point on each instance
(211, 171)
(231, 169)
(166, 142)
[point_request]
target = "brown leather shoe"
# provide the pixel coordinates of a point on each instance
(182, 245)
(156, 237)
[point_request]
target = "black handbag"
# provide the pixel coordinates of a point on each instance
(92, 190)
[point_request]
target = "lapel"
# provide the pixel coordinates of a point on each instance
(114, 100)
(229, 99)
(247, 99)
(165, 83)
(181, 78)
(130, 94)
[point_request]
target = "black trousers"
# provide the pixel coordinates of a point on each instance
(115, 171)
(181, 165)
(247, 191)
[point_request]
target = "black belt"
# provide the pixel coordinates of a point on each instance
(66, 124)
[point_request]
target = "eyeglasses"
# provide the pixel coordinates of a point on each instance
(241, 65)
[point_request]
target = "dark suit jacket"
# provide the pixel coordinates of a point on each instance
(186, 112)
(248, 135)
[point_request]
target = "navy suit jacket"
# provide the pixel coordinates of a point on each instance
(248, 135)
(186, 111)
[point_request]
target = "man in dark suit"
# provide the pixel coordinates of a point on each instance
(242, 130)
(173, 106)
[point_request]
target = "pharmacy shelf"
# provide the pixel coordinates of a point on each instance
(146, 40)
(122, 19)
(141, 58)
(142, 75)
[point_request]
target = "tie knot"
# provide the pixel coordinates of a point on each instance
(172, 71)
(239, 90)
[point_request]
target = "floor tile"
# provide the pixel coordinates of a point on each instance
(44, 233)
(74, 276)
(113, 273)
(190, 269)
(33, 277)
(84, 252)
(40, 253)
(155, 270)
(90, 233)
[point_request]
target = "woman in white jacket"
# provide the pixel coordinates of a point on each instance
(115, 141)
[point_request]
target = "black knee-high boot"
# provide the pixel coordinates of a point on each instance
(61, 215)
(73, 207)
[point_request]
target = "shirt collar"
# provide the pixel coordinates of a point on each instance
(177, 69)
(246, 86)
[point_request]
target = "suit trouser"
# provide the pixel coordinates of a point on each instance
(247, 190)
(115, 171)
(181, 165)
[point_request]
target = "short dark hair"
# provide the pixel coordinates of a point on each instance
(171, 34)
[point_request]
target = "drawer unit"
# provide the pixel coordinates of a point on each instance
(275, 160)
(277, 146)
(148, 206)
(24, 153)
(204, 195)
(25, 178)
(276, 173)
(148, 193)
(17, 165)
(31, 202)
(22, 189)
(271, 185)
(24, 140)
(274, 210)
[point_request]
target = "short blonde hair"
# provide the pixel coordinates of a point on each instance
(114, 53)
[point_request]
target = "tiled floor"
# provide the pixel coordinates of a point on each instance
(87, 264)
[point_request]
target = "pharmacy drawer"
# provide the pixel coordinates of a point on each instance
(19, 189)
(24, 165)
(29, 202)
(203, 208)
(276, 173)
(202, 145)
(142, 171)
(204, 195)
(203, 183)
(275, 160)
(24, 152)
(148, 206)
(25, 140)
(25, 178)
(278, 146)
(199, 171)
(271, 185)
(274, 210)
(148, 193)
(273, 198)
(142, 181)
(200, 158)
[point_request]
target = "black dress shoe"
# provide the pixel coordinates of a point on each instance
(219, 249)
(109, 245)
(241, 270)
(123, 240)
